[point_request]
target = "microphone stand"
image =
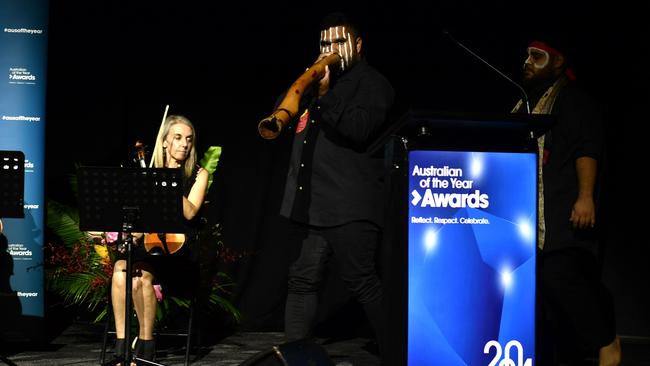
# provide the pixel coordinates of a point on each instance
(130, 214)
(523, 92)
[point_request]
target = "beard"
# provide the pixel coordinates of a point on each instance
(534, 78)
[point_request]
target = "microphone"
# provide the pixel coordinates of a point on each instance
(523, 92)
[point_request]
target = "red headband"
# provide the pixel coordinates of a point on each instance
(545, 47)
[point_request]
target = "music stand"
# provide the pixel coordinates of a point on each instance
(12, 180)
(130, 200)
(12, 192)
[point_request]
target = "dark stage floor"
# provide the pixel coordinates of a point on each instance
(80, 344)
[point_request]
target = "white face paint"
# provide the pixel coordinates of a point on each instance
(339, 40)
(537, 57)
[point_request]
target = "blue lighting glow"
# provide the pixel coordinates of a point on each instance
(430, 241)
(476, 165)
(507, 278)
(526, 230)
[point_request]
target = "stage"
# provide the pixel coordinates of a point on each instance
(81, 342)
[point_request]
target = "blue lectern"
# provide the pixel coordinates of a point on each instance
(470, 188)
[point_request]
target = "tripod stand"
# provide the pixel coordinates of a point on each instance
(12, 181)
(130, 200)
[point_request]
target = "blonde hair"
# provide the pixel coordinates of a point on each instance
(159, 150)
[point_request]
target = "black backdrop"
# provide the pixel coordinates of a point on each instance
(113, 66)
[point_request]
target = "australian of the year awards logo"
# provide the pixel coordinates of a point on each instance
(446, 179)
(21, 75)
(20, 252)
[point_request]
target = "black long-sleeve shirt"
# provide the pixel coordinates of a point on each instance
(331, 179)
(577, 133)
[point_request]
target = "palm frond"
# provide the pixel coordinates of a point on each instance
(78, 289)
(64, 221)
(226, 305)
(102, 314)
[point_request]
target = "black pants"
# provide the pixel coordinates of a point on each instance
(354, 245)
(576, 311)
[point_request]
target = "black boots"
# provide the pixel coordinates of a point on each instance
(120, 348)
(145, 349)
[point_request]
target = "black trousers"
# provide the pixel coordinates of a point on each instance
(575, 310)
(354, 245)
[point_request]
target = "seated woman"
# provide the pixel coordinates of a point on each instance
(175, 148)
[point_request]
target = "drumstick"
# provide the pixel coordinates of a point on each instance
(159, 136)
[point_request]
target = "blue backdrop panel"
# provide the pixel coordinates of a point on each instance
(471, 258)
(23, 66)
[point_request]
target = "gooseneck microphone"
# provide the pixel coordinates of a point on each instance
(523, 92)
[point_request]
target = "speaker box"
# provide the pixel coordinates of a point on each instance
(296, 353)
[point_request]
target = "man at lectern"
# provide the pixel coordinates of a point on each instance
(570, 157)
